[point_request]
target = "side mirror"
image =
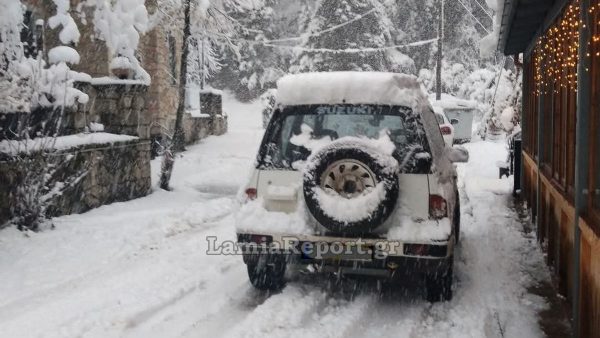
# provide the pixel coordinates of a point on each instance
(453, 121)
(458, 154)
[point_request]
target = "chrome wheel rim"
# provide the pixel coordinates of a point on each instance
(348, 178)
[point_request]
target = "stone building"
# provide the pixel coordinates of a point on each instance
(113, 167)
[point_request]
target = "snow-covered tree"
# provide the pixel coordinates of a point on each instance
(249, 66)
(15, 92)
(498, 93)
(453, 77)
(415, 20)
(338, 49)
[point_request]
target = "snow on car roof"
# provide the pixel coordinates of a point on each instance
(351, 88)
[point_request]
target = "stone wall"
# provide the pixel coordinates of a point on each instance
(210, 121)
(110, 173)
(153, 53)
(120, 107)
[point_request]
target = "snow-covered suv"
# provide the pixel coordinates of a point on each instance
(352, 177)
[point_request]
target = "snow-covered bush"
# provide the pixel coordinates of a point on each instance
(27, 83)
(58, 78)
(39, 176)
(15, 92)
(120, 23)
(499, 94)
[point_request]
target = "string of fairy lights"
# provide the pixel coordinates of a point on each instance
(556, 54)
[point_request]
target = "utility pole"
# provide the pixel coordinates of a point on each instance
(438, 75)
(178, 136)
(203, 63)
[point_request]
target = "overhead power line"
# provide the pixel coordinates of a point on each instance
(473, 16)
(485, 10)
(352, 50)
(314, 34)
(273, 43)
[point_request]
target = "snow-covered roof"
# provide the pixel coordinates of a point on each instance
(351, 88)
(452, 102)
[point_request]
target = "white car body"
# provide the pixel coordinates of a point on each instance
(446, 127)
(280, 189)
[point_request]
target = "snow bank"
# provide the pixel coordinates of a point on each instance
(61, 142)
(351, 88)
(351, 209)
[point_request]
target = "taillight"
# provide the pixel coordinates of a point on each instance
(438, 208)
(446, 130)
(251, 193)
(260, 239)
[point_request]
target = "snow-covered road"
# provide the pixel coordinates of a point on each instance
(140, 269)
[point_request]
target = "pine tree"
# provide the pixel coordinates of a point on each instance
(251, 68)
(415, 20)
(372, 31)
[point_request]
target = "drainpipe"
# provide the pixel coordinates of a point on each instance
(581, 150)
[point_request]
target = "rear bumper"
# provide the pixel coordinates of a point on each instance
(350, 256)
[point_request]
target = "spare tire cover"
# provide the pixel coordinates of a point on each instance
(350, 186)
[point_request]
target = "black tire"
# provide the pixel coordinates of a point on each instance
(267, 275)
(439, 286)
(354, 151)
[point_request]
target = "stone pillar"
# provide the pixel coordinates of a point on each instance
(211, 103)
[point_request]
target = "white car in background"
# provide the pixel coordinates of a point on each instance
(352, 161)
(446, 125)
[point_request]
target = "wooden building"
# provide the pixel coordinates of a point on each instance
(560, 42)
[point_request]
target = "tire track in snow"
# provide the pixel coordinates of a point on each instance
(16, 306)
(303, 311)
(280, 312)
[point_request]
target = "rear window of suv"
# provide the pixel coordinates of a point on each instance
(335, 121)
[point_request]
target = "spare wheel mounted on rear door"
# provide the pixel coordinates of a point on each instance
(351, 186)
